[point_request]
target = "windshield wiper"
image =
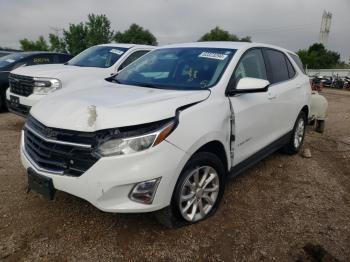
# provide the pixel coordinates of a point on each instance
(148, 85)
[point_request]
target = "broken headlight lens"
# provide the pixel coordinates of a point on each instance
(124, 146)
(43, 86)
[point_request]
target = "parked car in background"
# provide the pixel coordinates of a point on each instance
(24, 59)
(165, 133)
(29, 85)
(3, 53)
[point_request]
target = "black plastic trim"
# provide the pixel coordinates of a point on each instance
(260, 155)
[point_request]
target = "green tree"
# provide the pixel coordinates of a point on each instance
(218, 34)
(39, 45)
(75, 38)
(98, 30)
(57, 44)
(136, 35)
(318, 57)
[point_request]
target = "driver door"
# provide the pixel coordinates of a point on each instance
(251, 111)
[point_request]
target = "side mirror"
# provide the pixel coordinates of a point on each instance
(250, 85)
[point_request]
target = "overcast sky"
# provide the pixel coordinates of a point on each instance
(293, 24)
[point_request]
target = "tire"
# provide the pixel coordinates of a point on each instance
(2, 100)
(320, 126)
(297, 137)
(3, 106)
(176, 215)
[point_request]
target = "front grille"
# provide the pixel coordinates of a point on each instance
(18, 109)
(44, 147)
(21, 85)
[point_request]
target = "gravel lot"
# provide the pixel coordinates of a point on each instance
(284, 209)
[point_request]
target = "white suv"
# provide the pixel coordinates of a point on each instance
(167, 131)
(31, 83)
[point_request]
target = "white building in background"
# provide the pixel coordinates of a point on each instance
(328, 72)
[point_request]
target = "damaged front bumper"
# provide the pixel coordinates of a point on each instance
(108, 183)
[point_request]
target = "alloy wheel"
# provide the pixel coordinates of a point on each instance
(199, 193)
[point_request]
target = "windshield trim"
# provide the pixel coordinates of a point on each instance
(187, 88)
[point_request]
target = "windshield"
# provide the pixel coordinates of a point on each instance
(98, 56)
(11, 58)
(178, 68)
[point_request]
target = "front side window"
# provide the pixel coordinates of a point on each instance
(178, 68)
(278, 64)
(133, 57)
(251, 65)
(98, 56)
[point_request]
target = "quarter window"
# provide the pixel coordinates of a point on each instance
(298, 62)
(251, 65)
(291, 70)
(279, 69)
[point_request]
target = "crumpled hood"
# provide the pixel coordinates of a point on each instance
(109, 105)
(53, 70)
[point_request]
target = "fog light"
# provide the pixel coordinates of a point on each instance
(144, 192)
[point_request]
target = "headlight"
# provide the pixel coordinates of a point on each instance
(43, 86)
(124, 146)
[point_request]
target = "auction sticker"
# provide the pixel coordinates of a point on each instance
(210, 55)
(116, 51)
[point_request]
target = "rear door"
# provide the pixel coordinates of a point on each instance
(283, 91)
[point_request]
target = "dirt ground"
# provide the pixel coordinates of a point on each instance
(287, 208)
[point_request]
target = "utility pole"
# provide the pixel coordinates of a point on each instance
(325, 27)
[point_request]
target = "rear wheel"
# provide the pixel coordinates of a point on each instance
(297, 137)
(197, 193)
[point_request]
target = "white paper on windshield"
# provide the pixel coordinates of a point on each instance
(116, 51)
(210, 55)
(10, 60)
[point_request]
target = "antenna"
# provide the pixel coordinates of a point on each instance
(56, 29)
(325, 27)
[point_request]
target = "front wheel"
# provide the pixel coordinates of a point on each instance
(297, 137)
(198, 191)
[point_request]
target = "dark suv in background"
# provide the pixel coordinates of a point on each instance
(15, 60)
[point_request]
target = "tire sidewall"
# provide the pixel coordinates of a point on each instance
(199, 159)
(300, 116)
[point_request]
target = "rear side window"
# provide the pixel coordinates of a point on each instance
(278, 65)
(251, 65)
(298, 62)
(61, 58)
(40, 59)
(134, 56)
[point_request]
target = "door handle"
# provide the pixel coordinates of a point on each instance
(271, 95)
(298, 86)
